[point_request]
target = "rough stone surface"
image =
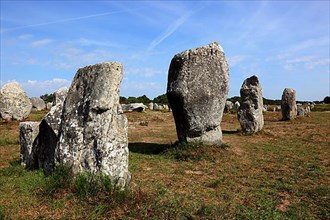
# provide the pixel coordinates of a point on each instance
(288, 104)
(228, 106)
(237, 105)
(28, 132)
(46, 142)
(49, 105)
(60, 95)
(197, 90)
(156, 106)
(133, 107)
(151, 106)
(300, 111)
(14, 103)
(250, 112)
(37, 103)
(93, 132)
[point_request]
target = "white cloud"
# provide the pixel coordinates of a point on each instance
(134, 88)
(25, 36)
(37, 88)
(42, 42)
(308, 62)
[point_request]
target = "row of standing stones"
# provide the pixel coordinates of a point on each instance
(87, 130)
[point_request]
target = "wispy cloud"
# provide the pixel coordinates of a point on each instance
(309, 62)
(37, 88)
(233, 61)
(64, 20)
(170, 30)
(40, 43)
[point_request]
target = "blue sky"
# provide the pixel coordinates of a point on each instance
(286, 43)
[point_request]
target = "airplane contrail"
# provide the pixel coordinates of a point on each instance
(68, 19)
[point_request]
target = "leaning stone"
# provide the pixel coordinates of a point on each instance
(93, 133)
(14, 103)
(288, 104)
(37, 103)
(250, 112)
(197, 89)
(28, 132)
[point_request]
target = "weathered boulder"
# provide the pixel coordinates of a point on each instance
(237, 105)
(250, 112)
(28, 132)
(288, 104)
(228, 106)
(197, 89)
(60, 95)
(133, 107)
(14, 103)
(93, 132)
(49, 105)
(156, 107)
(300, 110)
(37, 103)
(151, 106)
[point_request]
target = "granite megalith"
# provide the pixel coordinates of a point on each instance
(14, 103)
(93, 131)
(288, 104)
(250, 112)
(28, 132)
(37, 103)
(197, 89)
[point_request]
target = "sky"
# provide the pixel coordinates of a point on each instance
(285, 43)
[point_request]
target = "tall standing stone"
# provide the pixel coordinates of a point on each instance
(14, 103)
(28, 132)
(250, 111)
(93, 132)
(288, 104)
(198, 81)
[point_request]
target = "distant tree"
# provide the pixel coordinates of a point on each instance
(234, 99)
(161, 99)
(326, 100)
(47, 98)
(131, 99)
(144, 99)
(122, 100)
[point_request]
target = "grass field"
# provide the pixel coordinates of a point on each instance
(283, 172)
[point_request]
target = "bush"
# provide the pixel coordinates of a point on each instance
(61, 178)
(326, 100)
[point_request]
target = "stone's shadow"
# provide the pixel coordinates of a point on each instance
(148, 148)
(230, 132)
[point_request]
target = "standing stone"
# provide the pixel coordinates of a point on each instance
(60, 95)
(93, 132)
(197, 89)
(37, 103)
(300, 110)
(151, 106)
(28, 132)
(49, 105)
(14, 103)
(228, 106)
(237, 105)
(288, 104)
(250, 112)
(156, 107)
(133, 107)
(46, 142)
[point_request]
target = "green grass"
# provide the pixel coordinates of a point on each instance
(280, 173)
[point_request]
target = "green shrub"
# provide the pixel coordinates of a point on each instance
(61, 178)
